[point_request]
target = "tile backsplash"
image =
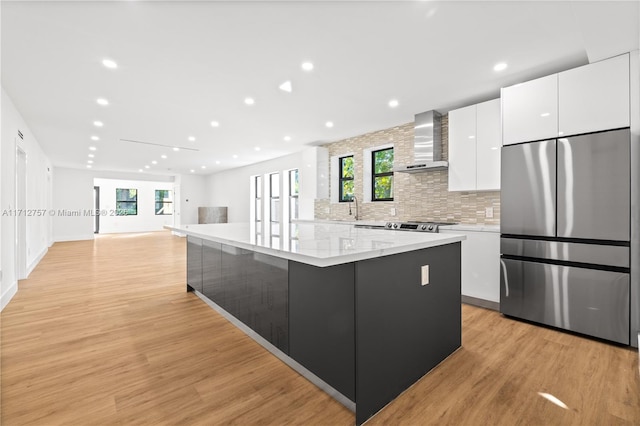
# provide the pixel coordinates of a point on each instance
(420, 196)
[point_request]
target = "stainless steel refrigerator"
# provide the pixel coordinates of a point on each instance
(565, 233)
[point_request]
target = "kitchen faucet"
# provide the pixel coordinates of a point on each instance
(352, 200)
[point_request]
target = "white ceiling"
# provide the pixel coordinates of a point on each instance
(183, 64)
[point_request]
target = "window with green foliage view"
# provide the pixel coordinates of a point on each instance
(294, 191)
(382, 176)
(126, 202)
(164, 202)
(346, 179)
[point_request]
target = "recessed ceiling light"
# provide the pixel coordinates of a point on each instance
(217, 162)
(89, 161)
(287, 138)
(192, 171)
(257, 148)
(393, 103)
(494, 148)
(175, 148)
(501, 66)
(234, 156)
(154, 162)
(249, 101)
(203, 167)
(164, 157)
(146, 167)
(102, 101)
(98, 123)
(307, 66)
(91, 155)
(88, 166)
(109, 64)
(472, 137)
(191, 139)
(544, 114)
(140, 170)
(92, 148)
(286, 86)
(329, 124)
(215, 124)
(95, 138)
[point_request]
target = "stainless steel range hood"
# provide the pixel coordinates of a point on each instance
(427, 145)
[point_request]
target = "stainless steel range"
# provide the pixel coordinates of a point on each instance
(416, 226)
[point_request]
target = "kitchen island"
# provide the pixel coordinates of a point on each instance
(362, 313)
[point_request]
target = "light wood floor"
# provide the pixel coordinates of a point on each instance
(103, 332)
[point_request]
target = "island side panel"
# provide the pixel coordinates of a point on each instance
(322, 321)
(404, 329)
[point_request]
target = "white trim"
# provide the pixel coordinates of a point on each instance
(37, 260)
(366, 171)
(65, 238)
(8, 295)
(334, 165)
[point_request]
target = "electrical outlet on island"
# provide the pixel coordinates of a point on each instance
(488, 212)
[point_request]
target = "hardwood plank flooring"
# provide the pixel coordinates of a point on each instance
(104, 333)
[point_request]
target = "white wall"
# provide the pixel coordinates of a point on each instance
(38, 197)
(231, 188)
(191, 193)
(146, 220)
(73, 191)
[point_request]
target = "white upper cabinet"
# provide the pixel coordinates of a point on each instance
(594, 97)
(530, 110)
(474, 147)
(488, 143)
(462, 149)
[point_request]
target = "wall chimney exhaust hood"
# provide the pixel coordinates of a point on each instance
(427, 145)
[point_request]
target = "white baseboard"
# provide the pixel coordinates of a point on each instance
(37, 260)
(64, 238)
(8, 295)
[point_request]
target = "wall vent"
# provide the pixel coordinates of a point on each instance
(20, 135)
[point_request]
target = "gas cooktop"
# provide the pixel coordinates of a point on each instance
(416, 226)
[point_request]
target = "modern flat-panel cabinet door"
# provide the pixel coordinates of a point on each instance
(528, 189)
(594, 97)
(594, 186)
(488, 143)
(587, 301)
(212, 271)
(194, 263)
(462, 149)
(530, 110)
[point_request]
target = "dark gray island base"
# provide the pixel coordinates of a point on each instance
(368, 328)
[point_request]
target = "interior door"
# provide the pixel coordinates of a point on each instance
(594, 181)
(528, 189)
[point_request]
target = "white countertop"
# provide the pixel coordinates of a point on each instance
(319, 244)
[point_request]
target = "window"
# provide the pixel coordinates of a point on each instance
(258, 201)
(274, 202)
(346, 179)
(294, 189)
(382, 175)
(164, 201)
(126, 202)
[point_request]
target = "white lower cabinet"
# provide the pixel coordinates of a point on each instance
(480, 264)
